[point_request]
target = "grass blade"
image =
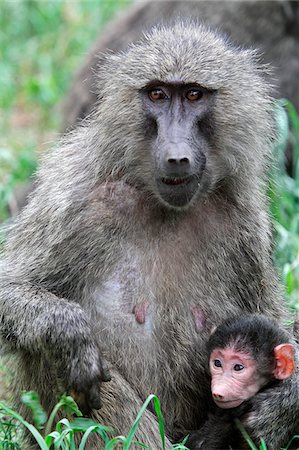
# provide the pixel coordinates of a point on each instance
(35, 433)
(246, 436)
(138, 418)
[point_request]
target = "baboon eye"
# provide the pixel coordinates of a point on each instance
(157, 94)
(238, 367)
(217, 363)
(194, 94)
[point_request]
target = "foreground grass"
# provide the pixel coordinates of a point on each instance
(62, 435)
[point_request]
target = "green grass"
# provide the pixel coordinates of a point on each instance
(284, 203)
(62, 435)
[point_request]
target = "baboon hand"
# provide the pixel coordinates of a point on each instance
(195, 440)
(76, 356)
(87, 371)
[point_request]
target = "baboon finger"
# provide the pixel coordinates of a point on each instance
(93, 396)
(105, 373)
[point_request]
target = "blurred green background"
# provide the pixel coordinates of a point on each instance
(42, 43)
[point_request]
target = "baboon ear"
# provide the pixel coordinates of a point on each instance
(284, 357)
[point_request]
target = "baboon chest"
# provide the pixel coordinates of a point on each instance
(155, 298)
(155, 303)
(126, 297)
(144, 311)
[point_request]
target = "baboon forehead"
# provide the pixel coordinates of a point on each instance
(190, 53)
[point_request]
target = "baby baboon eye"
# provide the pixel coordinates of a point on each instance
(157, 94)
(217, 363)
(194, 94)
(238, 367)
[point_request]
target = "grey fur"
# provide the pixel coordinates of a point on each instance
(96, 240)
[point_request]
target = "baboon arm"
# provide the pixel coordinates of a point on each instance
(216, 433)
(33, 318)
(275, 414)
(39, 327)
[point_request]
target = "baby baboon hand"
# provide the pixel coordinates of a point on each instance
(195, 440)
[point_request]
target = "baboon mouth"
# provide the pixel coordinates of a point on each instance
(228, 404)
(178, 191)
(176, 181)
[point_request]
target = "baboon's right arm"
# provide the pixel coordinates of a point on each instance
(37, 322)
(41, 281)
(49, 255)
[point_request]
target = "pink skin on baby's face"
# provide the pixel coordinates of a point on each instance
(235, 377)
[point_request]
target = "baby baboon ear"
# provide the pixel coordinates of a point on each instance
(284, 357)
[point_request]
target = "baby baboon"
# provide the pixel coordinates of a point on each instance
(246, 355)
(148, 226)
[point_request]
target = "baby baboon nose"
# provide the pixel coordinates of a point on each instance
(218, 396)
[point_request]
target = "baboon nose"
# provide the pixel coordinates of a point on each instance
(218, 396)
(179, 161)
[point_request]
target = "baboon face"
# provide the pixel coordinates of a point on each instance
(178, 142)
(180, 116)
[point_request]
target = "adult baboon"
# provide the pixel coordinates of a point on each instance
(270, 26)
(148, 226)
